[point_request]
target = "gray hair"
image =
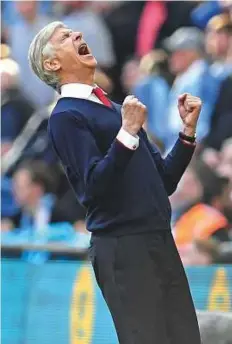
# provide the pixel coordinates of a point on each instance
(39, 48)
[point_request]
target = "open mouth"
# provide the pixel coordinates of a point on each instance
(83, 49)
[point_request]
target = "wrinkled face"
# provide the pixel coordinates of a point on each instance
(217, 43)
(71, 53)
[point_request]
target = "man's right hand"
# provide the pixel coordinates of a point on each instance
(133, 115)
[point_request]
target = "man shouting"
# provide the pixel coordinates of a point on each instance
(124, 183)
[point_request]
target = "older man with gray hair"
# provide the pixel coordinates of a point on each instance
(124, 183)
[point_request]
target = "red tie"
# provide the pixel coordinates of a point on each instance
(101, 96)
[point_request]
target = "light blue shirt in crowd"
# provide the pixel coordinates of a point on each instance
(153, 91)
(221, 70)
(21, 34)
(198, 81)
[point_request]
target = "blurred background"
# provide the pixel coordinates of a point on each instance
(155, 50)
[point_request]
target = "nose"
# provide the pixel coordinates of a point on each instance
(77, 36)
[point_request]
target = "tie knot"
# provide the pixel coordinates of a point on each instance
(99, 93)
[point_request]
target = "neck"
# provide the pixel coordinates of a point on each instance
(86, 78)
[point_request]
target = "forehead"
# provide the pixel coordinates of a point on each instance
(58, 34)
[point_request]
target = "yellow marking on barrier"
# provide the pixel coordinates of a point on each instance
(219, 295)
(82, 308)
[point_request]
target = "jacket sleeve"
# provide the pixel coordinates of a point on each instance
(77, 150)
(171, 168)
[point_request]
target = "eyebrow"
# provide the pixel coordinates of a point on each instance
(65, 32)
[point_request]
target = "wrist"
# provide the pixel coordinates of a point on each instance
(187, 139)
(128, 140)
(189, 131)
(130, 129)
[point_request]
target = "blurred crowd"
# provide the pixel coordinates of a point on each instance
(156, 50)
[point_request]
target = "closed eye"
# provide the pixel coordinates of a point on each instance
(65, 36)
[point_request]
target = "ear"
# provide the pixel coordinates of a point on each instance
(52, 65)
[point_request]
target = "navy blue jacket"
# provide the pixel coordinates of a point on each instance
(123, 190)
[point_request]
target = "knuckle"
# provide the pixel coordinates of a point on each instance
(133, 101)
(127, 99)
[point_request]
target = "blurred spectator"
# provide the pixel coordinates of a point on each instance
(34, 187)
(104, 6)
(32, 143)
(79, 17)
(225, 165)
(15, 109)
(130, 75)
(189, 191)
(219, 44)
(204, 12)
(226, 204)
(221, 121)
(20, 35)
(122, 21)
(159, 19)
(140, 26)
(15, 112)
(207, 216)
(199, 252)
(153, 90)
(221, 161)
(10, 13)
(9, 207)
(193, 76)
(152, 19)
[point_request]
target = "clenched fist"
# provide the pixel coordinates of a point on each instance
(189, 109)
(133, 115)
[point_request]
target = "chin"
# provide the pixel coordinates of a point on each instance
(93, 63)
(88, 61)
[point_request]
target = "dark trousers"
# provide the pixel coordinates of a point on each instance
(145, 287)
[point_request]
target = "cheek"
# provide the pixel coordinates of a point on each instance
(222, 43)
(21, 193)
(67, 57)
(210, 43)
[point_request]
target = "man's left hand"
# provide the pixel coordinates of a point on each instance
(189, 109)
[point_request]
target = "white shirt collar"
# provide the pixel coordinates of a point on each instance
(76, 90)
